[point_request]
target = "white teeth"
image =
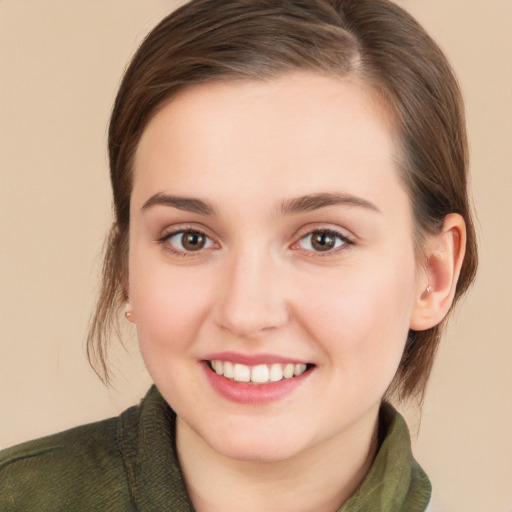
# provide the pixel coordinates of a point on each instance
(276, 372)
(242, 373)
(217, 366)
(259, 374)
(229, 370)
(288, 371)
(299, 368)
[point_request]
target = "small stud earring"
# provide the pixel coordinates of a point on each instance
(128, 313)
(428, 289)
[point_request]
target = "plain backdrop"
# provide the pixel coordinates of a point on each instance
(60, 65)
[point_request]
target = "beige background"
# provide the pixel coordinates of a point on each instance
(60, 64)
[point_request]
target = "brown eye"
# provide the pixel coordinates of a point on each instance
(189, 241)
(322, 241)
(193, 241)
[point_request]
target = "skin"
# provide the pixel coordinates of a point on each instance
(260, 287)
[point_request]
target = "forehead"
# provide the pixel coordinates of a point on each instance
(303, 132)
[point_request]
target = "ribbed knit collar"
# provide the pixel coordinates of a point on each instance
(395, 482)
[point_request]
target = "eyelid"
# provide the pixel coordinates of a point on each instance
(178, 227)
(348, 240)
(176, 230)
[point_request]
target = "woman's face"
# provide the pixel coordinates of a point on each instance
(270, 236)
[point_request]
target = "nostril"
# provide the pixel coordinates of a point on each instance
(251, 319)
(250, 302)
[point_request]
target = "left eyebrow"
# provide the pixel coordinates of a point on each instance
(189, 204)
(313, 202)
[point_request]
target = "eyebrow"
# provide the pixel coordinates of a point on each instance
(296, 205)
(188, 204)
(313, 202)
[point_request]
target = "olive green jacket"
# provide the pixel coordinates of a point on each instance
(129, 463)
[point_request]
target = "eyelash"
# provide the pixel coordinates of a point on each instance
(345, 245)
(346, 242)
(164, 241)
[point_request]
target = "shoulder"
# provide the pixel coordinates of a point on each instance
(58, 472)
(121, 464)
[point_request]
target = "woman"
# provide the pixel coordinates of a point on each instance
(291, 230)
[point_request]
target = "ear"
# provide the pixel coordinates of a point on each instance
(128, 312)
(444, 254)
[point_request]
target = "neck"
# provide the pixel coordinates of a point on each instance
(326, 474)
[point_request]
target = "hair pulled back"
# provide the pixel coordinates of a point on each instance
(374, 41)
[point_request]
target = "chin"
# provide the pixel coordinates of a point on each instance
(253, 443)
(255, 450)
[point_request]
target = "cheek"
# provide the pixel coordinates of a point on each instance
(169, 305)
(361, 318)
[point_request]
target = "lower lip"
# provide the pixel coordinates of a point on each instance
(245, 393)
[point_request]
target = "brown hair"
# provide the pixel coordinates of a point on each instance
(374, 40)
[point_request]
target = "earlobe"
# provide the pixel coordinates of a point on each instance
(444, 254)
(128, 313)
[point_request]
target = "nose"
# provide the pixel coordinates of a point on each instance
(253, 298)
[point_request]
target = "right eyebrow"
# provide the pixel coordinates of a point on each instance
(189, 204)
(313, 202)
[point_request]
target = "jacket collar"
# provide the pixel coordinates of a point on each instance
(395, 482)
(146, 438)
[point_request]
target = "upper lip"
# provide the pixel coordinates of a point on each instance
(252, 359)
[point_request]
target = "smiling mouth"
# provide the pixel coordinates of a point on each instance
(258, 374)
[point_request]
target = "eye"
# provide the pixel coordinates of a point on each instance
(188, 241)
(322, 241)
